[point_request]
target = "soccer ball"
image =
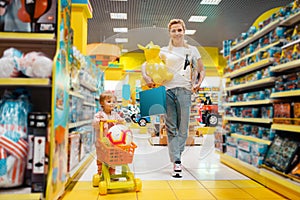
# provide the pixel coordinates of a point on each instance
(119, 135)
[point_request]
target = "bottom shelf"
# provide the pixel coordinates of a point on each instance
(25, 193)
(282, 185)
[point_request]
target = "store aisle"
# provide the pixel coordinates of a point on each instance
(204, 177)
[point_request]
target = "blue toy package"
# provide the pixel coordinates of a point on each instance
(14, 109)
(153, 101)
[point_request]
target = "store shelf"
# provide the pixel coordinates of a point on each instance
(89, 104)
(38, 82)
(250, 103)
(291, 93)
(253, 84)
(81, 123)
(286, 127)
(250, 138)
(291, 20)
(267, 178)
(75, 94)
(89, 86)
(80, 167)
(252, 120)
(28, 36)
(271, 170)
(290, 44)
(27, 42)
(250, 68)
(286, 66)
(257, 35)
(257, 51)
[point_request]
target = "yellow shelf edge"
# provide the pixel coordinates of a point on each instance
(249, 68)
(16, 196)
(77, 170)
(256, 35)
(283, 186)
(26, 36)
(286, 66)
(250, 138)
(290, 20)
(251, 84)
(286, 127)
(255, 120)
(257, 51)
(248, 103)
(286, 93)
(25, 81)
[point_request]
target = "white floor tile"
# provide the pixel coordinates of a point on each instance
(152, 162)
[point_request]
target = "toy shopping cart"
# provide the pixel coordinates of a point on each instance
(112, 156)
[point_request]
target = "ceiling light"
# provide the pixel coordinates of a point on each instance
(197, 18)
(118, 15)
(190, 32)
(120, 30)
(211, 2)
(121, 40)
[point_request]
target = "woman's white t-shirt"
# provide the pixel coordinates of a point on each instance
(175, 59)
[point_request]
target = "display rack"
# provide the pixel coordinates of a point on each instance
(50, 95)
(283, 183)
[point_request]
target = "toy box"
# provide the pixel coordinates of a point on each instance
(283, 154)
(29, 16)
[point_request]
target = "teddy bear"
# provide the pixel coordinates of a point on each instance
(155, 67)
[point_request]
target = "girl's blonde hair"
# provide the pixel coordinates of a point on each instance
(176, 21)
(106, 95)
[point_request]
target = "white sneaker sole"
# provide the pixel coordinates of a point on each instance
(177, 175)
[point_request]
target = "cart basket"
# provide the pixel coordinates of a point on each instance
(116, 155)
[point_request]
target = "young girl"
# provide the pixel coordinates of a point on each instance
(108, 103)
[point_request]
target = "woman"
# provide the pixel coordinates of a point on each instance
(185, 62)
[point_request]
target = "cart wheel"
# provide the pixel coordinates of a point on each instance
(102, 187)
(96, 180)
(138, 184)
(142, 122)
(212, 120)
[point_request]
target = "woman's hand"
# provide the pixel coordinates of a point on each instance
(149, 81)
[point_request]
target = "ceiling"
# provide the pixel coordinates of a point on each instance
(147, 20)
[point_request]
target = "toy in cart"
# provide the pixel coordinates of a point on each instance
(115, 149)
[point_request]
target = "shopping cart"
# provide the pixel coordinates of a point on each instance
(112, 156)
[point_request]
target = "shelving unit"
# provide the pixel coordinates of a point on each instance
(280, 182)
(51, 96)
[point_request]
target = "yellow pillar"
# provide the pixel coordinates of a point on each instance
(81, 11)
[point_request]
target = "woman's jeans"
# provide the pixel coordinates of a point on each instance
(177, 120)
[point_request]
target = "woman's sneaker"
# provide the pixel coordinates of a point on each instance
(177, 170)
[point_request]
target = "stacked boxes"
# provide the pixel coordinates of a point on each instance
(37, 165)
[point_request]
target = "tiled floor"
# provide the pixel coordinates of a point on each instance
(204, 177)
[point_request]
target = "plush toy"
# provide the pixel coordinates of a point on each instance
(36, 64)
(155, 67)
(9, 63)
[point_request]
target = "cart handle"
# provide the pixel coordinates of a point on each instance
(101, 123)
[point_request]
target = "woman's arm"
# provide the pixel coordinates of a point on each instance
(201, 73)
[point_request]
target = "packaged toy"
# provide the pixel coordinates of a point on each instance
(9, 63)
(13, 139)
(36, 64)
